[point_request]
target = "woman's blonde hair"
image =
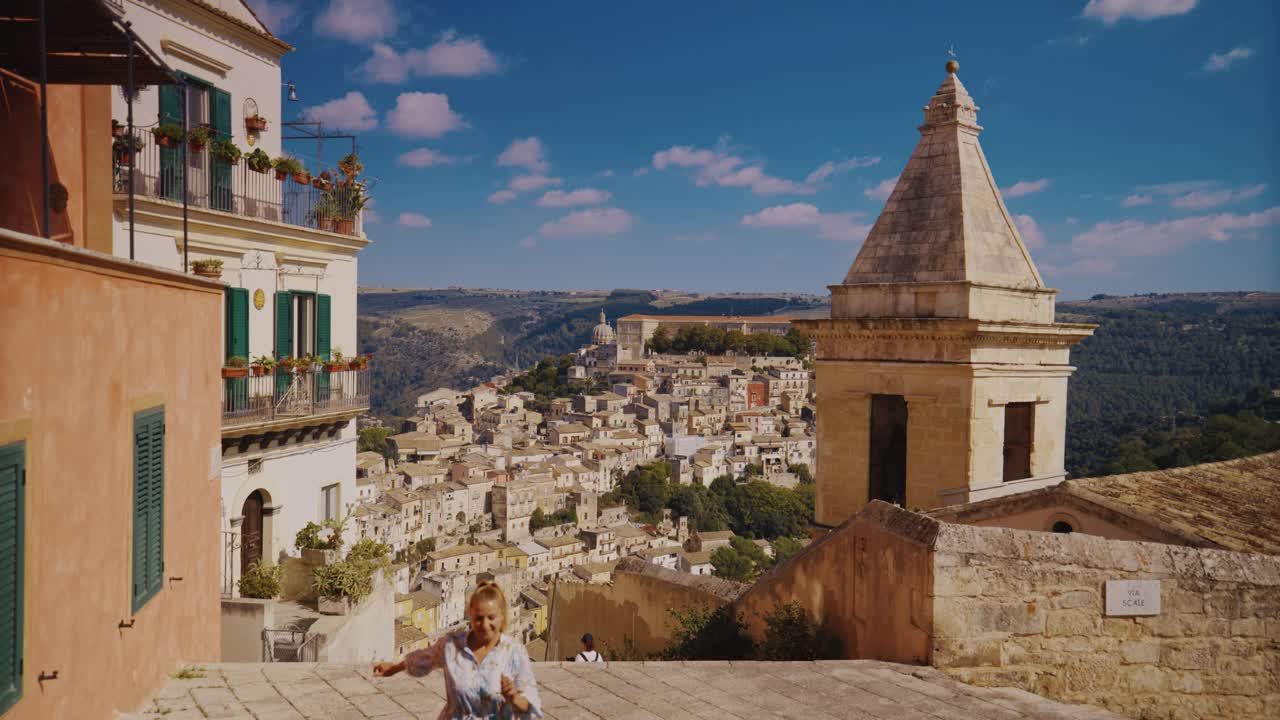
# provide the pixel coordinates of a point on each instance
(489, 590)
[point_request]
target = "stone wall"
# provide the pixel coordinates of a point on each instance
(1013, 607)
(634, 606)
(243, 620)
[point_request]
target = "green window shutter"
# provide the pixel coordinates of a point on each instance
(323, 336)
(171, 158)
(219, 169)
(284, 324)
(237, 330)
(148, 505)
(12, 548)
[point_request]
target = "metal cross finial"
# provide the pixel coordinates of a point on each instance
(952, 51)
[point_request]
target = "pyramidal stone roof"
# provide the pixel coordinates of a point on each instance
(946, 221)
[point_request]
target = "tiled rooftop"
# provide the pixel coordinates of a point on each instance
(854, 689)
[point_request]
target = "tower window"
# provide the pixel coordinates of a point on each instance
(1019, 420)
(1062, 526)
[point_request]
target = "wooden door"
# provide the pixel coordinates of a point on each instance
(251, 531)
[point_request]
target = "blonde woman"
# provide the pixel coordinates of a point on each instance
(486, 674)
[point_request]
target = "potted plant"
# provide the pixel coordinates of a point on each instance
(199, 136)
(261, 581)
(358, 362)
(255, 122)
(236, 367)
(225, 149)
(285, 365)
(258, 161)
(167, 135)
(263, 365)
(124, 148)
(351, 201)
(337, 363)
(322, 181)
(117, 130)
(286, 165)
(207, 268)
(324, 211)
(351, 165)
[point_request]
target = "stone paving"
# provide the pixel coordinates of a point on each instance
(853, 689)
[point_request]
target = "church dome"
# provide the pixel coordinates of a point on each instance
(602, 334)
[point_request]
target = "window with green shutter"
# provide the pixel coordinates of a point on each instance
(148, 505)
(284, 337)
(13, 480)
(219, 169)
(323, 341)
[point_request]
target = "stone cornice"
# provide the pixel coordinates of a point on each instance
(953, 331)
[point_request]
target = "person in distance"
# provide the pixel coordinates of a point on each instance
(588, 653)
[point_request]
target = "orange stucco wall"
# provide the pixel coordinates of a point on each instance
(80, 159)
(89, 340)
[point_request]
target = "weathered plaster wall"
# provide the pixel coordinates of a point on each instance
(243, 620)
(633, 606)
(866, 586)
(1025, 609)
(94, 340)
(367, 634)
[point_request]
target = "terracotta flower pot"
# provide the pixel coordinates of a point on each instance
(346, 226)
(257, 124)
(215, 274)
(124, 157)
(325, 224)
(335, 367)
(258, 370)
(281, 175)
(229, 372)
(302, 178)
(195, 146)
(165, 141)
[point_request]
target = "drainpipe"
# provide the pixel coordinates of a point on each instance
(186, 171)
(42, 35)
(133, 155)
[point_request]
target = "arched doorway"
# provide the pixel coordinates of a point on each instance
(251, 530)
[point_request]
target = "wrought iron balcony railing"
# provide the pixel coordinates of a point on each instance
(216, 184)
(285, 395)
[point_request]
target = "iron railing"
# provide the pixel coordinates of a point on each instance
(287, 395)
(216, 184)
(230, 554)
(289, 645)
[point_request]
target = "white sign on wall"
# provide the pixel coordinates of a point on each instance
(1133, 597)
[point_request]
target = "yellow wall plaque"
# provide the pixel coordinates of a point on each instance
(259, 298)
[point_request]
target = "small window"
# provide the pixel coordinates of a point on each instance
(13, 480)
(148, 505)
(255, 466)
(1062, 526)
(329, 498)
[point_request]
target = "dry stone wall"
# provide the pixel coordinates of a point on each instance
(1026, 609)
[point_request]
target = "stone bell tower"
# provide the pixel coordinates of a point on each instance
(941, 375)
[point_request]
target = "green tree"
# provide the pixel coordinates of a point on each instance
(802, 473)
(789, 635)
(785, 548)
(703, 633)
(729, 564)
(373, 439)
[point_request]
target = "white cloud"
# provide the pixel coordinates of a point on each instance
(585, 196)
(525, 183)
(883, 190)
(1025, 187)
(1111, 11)
(349, 112)
(528, 242)
(596, 221)
(278, 15)
(1078, 40)
(640, 172)
(604, 174)
(420, 114)
(1030, 231)
(1218, 62)
(1073, 220)
(1137, 199)
(501, 197)
(831, 226)
(414, 220)
(457, 57)
(829, 168)
(1133, 238)
(385, 65)
(1204, 199)
(718, 167)
(357, 20)
(528, 153)
(449, 56)
(425, 157)
(1177, 188)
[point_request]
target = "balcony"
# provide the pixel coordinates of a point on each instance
(289, 397)
(216, 184)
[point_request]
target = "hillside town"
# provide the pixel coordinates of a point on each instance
(502, 491)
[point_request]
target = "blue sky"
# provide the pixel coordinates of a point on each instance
(726, 146)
